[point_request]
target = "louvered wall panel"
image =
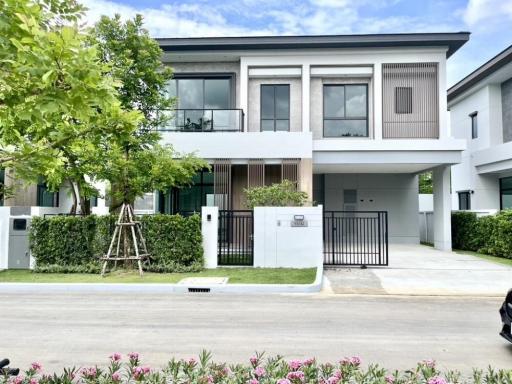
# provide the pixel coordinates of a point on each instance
(290, 170)
(255, 173)
(222, 183)
(419, 116)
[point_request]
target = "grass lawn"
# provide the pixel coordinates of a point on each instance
(494, 259)
(236, 275)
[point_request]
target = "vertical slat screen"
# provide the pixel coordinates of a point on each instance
(222, 183)
(255, 173)
(290, 170)
(410, 100)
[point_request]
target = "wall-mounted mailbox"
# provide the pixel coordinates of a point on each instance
(299, 221)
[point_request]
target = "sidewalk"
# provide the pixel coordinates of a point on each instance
(422, 270)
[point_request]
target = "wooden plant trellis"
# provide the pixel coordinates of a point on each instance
(128, 241)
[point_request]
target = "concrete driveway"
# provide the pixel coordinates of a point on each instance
(422, 270)
(84, 328)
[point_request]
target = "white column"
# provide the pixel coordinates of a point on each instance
(210, 232)
(442, 208)
(377, 106)
(244, 90)
(306, 91)
(444, 129)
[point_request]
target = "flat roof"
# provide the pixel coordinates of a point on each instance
(488, 68)
(452, 40)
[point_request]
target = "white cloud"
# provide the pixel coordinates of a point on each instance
(478, 11)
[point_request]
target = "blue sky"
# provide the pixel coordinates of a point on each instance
(489, 21)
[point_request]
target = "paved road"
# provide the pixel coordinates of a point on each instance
(71, 328)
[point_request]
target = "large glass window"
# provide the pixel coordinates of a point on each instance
(188, 199)
(202, 102)
(346, 110)
(506, 193)
(46, 198)
(275, 107)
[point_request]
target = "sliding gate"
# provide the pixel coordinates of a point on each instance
(355, 238)
(235, 240)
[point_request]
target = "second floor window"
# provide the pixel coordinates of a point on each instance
(474, 125)
(275, 107)
(346, 110)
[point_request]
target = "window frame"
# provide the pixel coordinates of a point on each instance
(274, 119)
(207, 76)
(502, 190)
(367, 109)
(474, 124)
(43, 188)
(468, 200)
(409, 90)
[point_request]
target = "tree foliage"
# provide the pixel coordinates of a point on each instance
(425, 183)
(284, 194)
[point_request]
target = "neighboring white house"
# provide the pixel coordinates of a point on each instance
(481, 112)
(353, 119)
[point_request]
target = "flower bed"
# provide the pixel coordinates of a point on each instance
(259, 370)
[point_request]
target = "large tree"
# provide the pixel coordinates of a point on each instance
(56, 100)
(139, 164)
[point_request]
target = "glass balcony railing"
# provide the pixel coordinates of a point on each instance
(205, 120)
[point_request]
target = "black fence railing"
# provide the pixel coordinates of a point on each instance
(356, 238)
(205, 120)
(235, 239)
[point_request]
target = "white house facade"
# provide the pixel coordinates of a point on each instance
(352, 119)
(481, 112)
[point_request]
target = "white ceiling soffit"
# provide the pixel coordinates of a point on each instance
(275, 72)
(341, 71)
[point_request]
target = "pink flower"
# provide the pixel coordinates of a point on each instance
(36, 366)
(333, 380)
(355, 361)
(283, 381)
(210, 379)
(17, 380)
(253, 381)
(437, 380)
(115, 356)
(429, 363)
(146, 369)
(192, 361)
(33, 381)
(90, 372)
(133, 356)
(137, 372)
(295, 364)
(389, 379)
(345, 361)
(254, 361)
(259, 372)
(116, 376)
(337, 373)
(295, 375)
(308, 362)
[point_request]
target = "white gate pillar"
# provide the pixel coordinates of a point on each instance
(442, 208)
(210, 233)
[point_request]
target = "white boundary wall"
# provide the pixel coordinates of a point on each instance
(278, 245)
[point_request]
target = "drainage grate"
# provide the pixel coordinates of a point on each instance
(199, 290)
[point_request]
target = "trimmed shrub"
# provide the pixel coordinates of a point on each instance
(70, 244)
(491, 235)
(284, 194)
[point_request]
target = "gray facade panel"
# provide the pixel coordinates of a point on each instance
(506, 108)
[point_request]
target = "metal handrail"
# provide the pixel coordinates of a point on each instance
(205, 123)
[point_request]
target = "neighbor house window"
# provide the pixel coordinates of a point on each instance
(403, 100)
(464, 200)
(474, 125)
(506, 193)
(346, 110)
(46, 198)
(275, 107)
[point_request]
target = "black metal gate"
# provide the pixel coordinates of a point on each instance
(355, 238)
(235, 237)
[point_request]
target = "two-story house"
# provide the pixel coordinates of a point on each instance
(481, 112)
(352, 119)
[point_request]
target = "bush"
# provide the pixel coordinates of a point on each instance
(258, 370)
(284, 194)
(491, 235)
(70, 244)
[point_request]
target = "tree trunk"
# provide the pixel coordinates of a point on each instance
(72, 211)
(85, 204)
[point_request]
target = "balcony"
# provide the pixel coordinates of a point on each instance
(205, 120)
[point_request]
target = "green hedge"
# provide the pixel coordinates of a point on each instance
(491, 235)
(74, 244)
